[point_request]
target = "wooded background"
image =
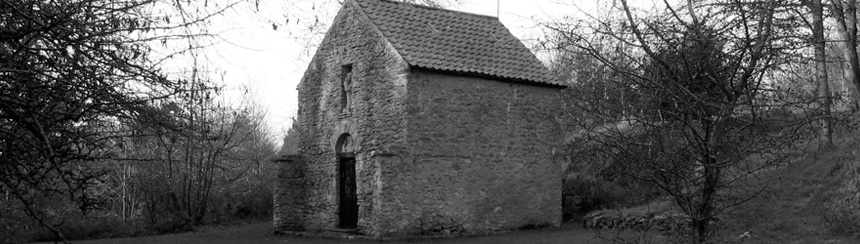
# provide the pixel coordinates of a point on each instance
(692, 101)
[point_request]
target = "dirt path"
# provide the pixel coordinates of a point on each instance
(261, 233)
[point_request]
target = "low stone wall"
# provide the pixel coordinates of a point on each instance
(615, 219)
(290, 200)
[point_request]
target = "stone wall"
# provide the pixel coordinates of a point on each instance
(450, 155)
(374, 120)
(480, 158)
(290, 194)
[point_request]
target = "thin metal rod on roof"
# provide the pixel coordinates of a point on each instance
(498, 6)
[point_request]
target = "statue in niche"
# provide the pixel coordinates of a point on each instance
(347, 145)
(346, 88)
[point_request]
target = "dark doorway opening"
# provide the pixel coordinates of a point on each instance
(348, 206)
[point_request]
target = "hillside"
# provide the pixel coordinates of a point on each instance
(809, 202)
(816, 199)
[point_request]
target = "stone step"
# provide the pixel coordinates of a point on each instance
(339, 230)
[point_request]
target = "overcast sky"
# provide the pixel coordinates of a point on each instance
(268, 62)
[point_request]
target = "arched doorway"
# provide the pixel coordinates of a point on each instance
(348, 200)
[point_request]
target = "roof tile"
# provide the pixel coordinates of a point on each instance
(455, 41)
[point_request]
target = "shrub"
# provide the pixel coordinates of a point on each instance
(843, 208)
(593, 182)
(594, 193)
(173, 224)
(78, 227)
(842, 205)
(15, 226)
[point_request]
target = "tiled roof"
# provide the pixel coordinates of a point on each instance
(447, 40)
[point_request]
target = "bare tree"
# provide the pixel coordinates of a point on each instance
(699, 119)
(435, 3)
(71, 73)
(187, 165)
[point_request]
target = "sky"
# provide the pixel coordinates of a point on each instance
(264, 49)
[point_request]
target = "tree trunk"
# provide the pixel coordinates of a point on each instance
(700, 227)
(701, 220)
(824, 102)
(846, 23)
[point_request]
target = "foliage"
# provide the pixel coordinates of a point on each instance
(78, 227)
(842, 204)
(593, 193)
(205, 159)
(685, 105)
(70, 71)
(597, 182)
(89, 121)
(842, 213)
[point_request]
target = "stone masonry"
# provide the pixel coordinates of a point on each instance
(437, 150)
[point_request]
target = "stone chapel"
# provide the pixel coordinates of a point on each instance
(415, 120)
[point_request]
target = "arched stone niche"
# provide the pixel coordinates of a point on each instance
(344, 144)
(345, 138)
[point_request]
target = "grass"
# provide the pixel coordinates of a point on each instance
(261, 233)
(814, 200)
(798, 208)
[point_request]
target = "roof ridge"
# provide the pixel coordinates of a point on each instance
(442, 9)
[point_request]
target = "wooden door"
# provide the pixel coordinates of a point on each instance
(348, 209)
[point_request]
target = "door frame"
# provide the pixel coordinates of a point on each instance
(347, 195)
